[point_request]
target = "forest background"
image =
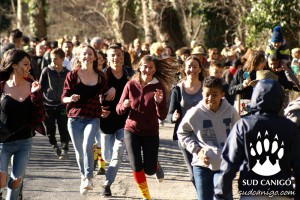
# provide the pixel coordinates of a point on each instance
(213, 23)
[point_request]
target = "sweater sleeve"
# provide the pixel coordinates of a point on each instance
(186, 133)
(162, 108)
(236, 85)
(68, 86)
(120, 109)
(43, 80)
(174, 103)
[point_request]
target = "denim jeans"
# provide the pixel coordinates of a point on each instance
(113, 147)
(20, 150)
(205, 180)
(188, 157)
(82, 132)
(98, 139)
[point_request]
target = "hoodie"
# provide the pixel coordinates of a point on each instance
(292, 111)
(264, 147)
(203, 128)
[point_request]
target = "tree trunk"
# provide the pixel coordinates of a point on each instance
(124, 21)
(117, 14)
(183, 21)
(19, 14)
(145, 11)
(155, 9)
(37, 21)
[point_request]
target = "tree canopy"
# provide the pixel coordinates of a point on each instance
(211, 23)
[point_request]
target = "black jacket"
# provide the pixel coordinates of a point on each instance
(236, 85)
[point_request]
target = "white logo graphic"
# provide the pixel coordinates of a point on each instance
(266, 149)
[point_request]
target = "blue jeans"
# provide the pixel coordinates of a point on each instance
(98, 139)
(188, 157)
(82, 132)
(113, 147)
(205, 180)
(20, 150)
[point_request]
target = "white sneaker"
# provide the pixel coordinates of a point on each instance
(88, 184)
(82, 190)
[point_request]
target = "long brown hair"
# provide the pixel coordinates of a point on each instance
(195, 58)
(253, 61)
(11, 57)
(102, 77)
(165, 71)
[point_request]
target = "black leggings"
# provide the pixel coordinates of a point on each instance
(135, 144)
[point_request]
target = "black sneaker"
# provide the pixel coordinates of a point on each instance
(57, 150)
(160, 175)
(106, 191)
(101, 171)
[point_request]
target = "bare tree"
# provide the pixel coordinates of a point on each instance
(185, 25)
(123, 22)
(37, 21)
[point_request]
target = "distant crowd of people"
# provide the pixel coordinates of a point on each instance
(230, 108)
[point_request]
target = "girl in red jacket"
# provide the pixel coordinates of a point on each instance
(144, 97)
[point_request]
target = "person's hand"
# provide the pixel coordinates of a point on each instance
(284, 66)
(104, 112)
(110, 94)
(202, 156)
(158, 95)
(35, 86)
(246, 82)
(127, 103)
(175, 116)
(75, 97)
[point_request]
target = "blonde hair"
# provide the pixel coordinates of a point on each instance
(294, 51)
(211, 51)
(154, 47)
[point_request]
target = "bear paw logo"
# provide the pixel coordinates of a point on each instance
(264, 150)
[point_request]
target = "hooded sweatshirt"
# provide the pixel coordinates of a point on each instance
(264, 147)
(203, 128)
(292, 111)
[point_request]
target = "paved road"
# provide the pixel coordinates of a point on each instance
(49, 178)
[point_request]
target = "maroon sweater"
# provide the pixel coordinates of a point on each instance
(144, 111)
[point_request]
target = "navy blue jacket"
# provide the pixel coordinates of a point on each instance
(264, 147)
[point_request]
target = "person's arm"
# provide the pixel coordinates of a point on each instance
(161, 107)
(174, 105)
(232, 158)
(291, 76)
(43, 80)
(67, 94)
(236, 85)
(295, 155)
(124, 103)
(186, 133)
(293, 114)
(284, 82)
(39, 113)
